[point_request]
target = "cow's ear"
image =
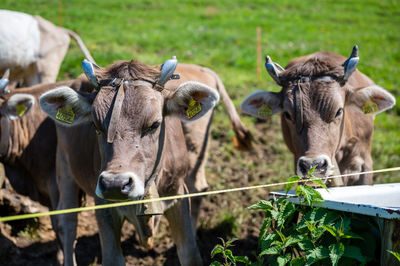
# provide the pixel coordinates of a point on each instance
(191, 101)
(261, 104)
(66, 106)
(19, 105)
(371, 100)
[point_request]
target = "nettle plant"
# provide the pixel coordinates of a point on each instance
(303, 234)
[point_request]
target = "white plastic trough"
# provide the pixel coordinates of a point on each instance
(381, 201)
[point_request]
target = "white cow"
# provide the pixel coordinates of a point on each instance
(33, 48)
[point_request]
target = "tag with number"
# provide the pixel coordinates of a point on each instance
(264, 111)
(21, 109)
(193, 109)
(370, 107)
(65, 115)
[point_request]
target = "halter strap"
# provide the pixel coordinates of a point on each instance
(119, 98)
(298, 103)
(154, 173)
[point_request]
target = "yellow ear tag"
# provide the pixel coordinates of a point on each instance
(264, 111)
(65, 115)
(21, 109)
(370, 107)
(193, 109)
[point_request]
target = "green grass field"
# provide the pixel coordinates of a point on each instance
(222, 35)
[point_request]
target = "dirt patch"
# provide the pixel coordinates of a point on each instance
(222, 215)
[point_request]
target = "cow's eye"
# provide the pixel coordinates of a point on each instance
(339, 112)
(287, 115)
(150, 129)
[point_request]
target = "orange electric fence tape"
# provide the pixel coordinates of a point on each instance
(199, 194)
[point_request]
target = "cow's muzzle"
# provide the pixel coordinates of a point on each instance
(322, 163)
(120, 186)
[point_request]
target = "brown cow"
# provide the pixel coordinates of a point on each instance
(33, 48)
(327, 113)
(28, 143)
(127, 137)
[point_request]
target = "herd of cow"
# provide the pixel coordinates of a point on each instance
(131, 130)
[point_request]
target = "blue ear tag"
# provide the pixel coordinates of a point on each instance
(89, 72)
(350, 65)
(3, 85)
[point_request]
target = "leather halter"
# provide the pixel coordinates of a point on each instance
(116, 111)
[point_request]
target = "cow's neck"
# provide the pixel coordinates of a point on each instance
(16, 135)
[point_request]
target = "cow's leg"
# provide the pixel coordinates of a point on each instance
(66, 223)
(181, 230)
(196, 136)
(110, 224)
(52, 188)
(69, 198)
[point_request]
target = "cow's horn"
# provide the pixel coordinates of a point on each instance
(167, 71)
(4, 82)
(273, 69)
(88, 69)
(350, 65)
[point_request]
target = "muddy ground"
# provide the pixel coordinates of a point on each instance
(224, 215)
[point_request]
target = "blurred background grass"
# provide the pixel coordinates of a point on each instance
(222, 35)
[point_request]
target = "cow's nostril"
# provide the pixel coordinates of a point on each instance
(127, 187)
(323, 165)
(304, 166)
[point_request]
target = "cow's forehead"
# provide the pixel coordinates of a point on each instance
(317, 97)
(140, 104)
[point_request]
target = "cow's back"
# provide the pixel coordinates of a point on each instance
(19, 40)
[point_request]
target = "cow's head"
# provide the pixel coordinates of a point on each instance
(315, 94)
(128, 111)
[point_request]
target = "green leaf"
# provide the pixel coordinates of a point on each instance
(351, 235)
(294, 239)
(396, 254)
(330, 218)
(275, 214)
(264, 229)
(275, 250)
(332, 230)
(215, 263)
(229, 255)
(286, 210)
(267, 241)
(281, 235)
(310, 195)
(318, 232)
(230, 241)
(261, 205)
(346, 224)
(300, 261)
(290, 185)
(316, 254)
(243, 259)
(336, 251)
(283, 260)
(353, 253)
(306, 245)
(311, 171)
(216, 250)
(319, 182)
